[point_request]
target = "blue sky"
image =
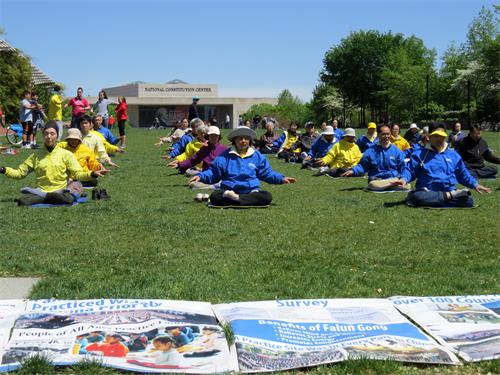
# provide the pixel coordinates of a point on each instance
(248, 48)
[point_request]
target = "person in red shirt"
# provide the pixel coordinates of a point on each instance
(121, 117)
(80, 106)
(111, 347)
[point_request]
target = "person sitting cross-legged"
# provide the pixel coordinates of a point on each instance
(85, 156)
(383, 162)
(369, 139)
(304, 144)
(286, 141)
(474, 150)
(320, 147)
(240, 170)
(205, 156)
(52, 165)
(265, 143)
(437, 169)
(342, 156)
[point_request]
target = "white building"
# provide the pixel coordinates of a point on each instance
(172, 100)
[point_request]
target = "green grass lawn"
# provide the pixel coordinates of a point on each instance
(321, 238)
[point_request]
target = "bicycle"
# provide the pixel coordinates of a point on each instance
(14, 134)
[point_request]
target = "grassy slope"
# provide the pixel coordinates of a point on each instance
(316, 240)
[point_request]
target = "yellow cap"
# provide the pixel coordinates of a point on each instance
(372, 125)
(442, 133)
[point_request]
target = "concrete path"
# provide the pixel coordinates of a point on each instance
(16, 287)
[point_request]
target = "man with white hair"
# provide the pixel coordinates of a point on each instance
(265, 143)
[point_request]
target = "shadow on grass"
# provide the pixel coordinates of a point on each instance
(393, 204)
(353, 189)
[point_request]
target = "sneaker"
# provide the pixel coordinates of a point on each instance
(35, 146)
(96, 194)
(460, 193)
(198, 197)
(324, 169)
(104, 194)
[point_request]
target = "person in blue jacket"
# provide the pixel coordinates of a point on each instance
(98, 121)
(240, 170)
(320, 147)
(383, 162)
(179, 147)
(369, 139)
(437, 169)
(339, 133)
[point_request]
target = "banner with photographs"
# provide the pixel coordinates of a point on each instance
(136, 335)
(10, 310)
(286, 334)
(468, 325)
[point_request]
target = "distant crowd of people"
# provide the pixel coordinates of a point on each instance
(435, 160)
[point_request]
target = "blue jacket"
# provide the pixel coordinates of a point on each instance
(179, 147)
(320, 148)
(437, 171)
(108, 135)
(239, 174)
(279, 142)
(364, 143)
(339, 133)
(381, 163)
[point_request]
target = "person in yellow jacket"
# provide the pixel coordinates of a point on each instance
(85, 156)
(343, 156)
(397, 140)
(287, 140)
(194, 146)
(55, 110)
(52, 166)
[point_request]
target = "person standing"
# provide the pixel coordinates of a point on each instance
(2, 117)
(80, 105)
(55, 110)
(121, 117)
(101, 106)
(26, 118)
(193, 109)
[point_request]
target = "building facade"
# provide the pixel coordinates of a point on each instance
(169, 103)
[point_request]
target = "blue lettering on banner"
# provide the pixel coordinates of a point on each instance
(317, 334)
(302, 303)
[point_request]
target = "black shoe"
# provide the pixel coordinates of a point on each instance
(104, 194)
(96, 194)
(35, 146)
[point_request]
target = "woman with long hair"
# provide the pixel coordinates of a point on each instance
(121, 117)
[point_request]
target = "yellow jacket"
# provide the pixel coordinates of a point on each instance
(85, 156)
(343, 155)
(400, 143)
(191, 149)
(290, 141)
(55, 107)
(110, 149)
(51, 169)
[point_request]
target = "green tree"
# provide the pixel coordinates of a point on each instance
(356, 65)
(15, 70)
(291, 108)
(404, 76)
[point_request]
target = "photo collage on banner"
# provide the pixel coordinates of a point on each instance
(286, 334)
(468, 325)
(137, 335)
